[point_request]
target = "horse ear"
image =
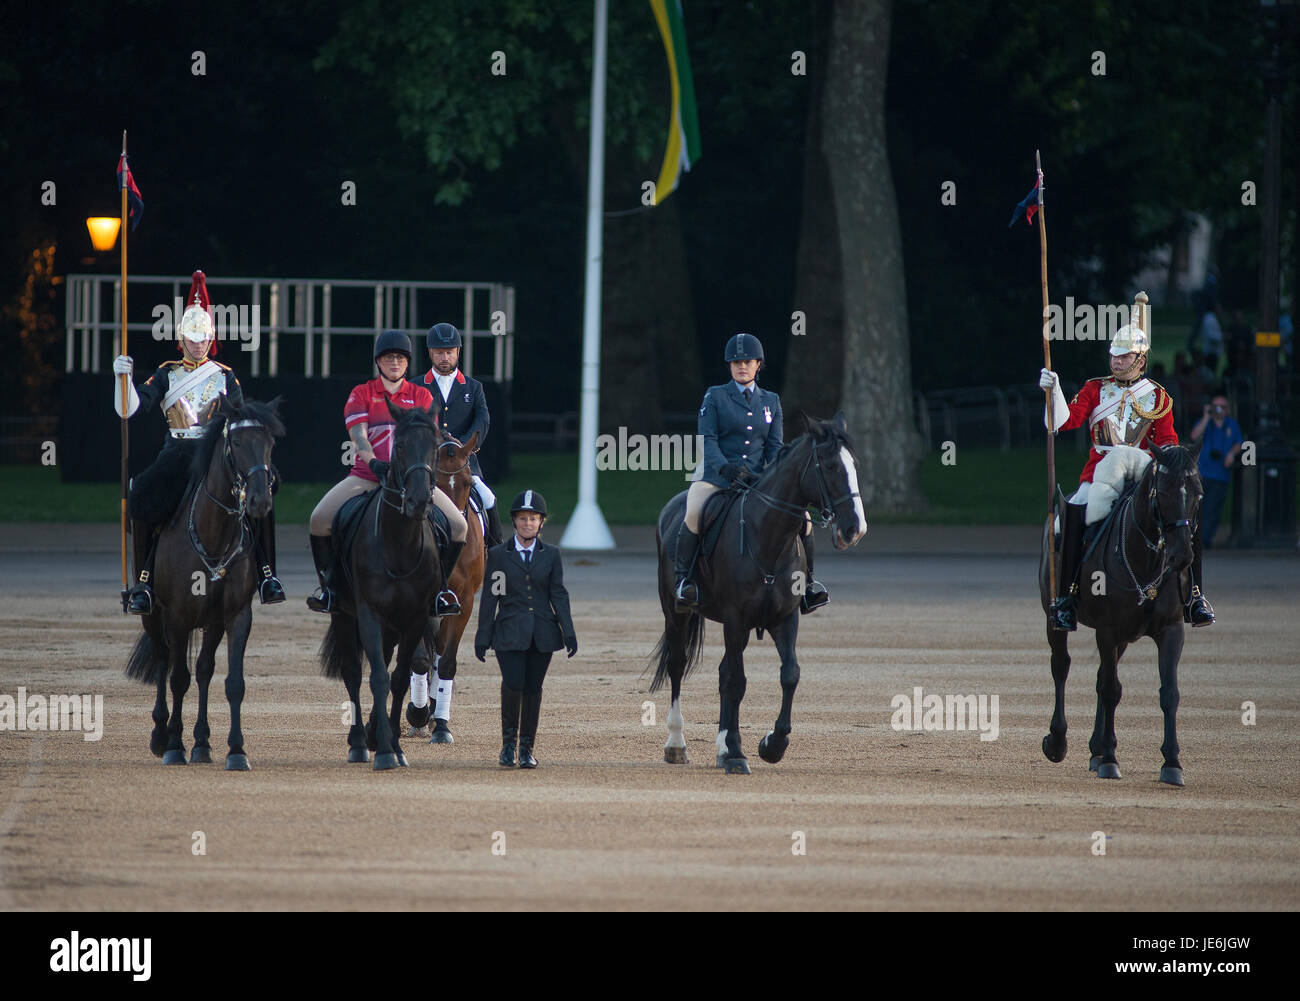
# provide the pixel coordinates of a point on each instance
(274, 404)
(840, 421)
(471, 446)
(396, 412)
(803, 422)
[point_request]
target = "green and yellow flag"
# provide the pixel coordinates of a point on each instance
(683, 148)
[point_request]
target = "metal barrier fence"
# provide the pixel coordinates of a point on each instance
(313, 309)
(988, 417)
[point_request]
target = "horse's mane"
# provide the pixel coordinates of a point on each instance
(264, 413)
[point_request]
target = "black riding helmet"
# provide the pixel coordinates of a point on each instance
(394, 340)
(743, 346)
(443, 335)
(529, 500)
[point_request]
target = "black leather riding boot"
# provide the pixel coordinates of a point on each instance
(1198, 610)
(448, 603)
(511, 700)
(688, 544)
(139, 599)
(493, 527)
(323, 599)
(1061, 616)
(815, 594)
(531, 712)
(269, 589)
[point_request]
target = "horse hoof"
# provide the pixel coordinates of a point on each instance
(736, 766)
(174, 757)
(1094, 762)
(722, 760)
(675, 755)
(1108, 771)
(1053, 749)
(383, 762)
(1171, 776)
(441, 733)
(401, 760)
(358, 755)
(772, 748)
(418, 731)
(201, 756)
(158, 744)
(237, 763)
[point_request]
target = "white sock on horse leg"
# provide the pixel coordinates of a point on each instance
(675, 738)
(419, 690)
(442, 699)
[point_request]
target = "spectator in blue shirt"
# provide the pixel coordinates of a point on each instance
(1222, 442)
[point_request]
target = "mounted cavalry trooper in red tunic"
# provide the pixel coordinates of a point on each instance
(462, 410)
(1124, 408)
(370, 427)
(740, 425)
(187, 391)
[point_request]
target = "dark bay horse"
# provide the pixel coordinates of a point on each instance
(389, 599)
(753, 580)
(208, 542)
(455, 480)
(1133, 584)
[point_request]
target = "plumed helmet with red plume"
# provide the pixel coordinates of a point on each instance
(196, 321)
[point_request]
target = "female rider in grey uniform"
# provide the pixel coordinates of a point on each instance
(740, 424)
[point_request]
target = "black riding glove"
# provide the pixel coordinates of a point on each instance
(730, 471)
(380, 468)
(480, 652)
(571, 644)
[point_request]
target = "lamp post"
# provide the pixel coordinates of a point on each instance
(103, 232)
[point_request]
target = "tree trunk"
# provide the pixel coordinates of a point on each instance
(877, 377)
(819, 285)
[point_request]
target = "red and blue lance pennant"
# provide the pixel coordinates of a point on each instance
(1029, 205)
(133, 197)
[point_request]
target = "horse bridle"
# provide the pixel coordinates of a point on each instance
(826, 510)
(239, 490)
(1149, 591)
(401, 494)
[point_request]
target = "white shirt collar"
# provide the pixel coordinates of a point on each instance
(524, 549)
(444, 383)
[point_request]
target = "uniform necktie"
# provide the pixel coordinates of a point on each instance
(749, 396)
(528, 556)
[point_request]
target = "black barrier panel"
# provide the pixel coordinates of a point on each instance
(311, 451)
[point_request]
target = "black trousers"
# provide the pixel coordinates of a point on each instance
(524, 670)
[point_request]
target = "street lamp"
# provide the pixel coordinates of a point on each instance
(103, 232)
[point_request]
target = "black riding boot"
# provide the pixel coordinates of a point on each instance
(532, 710)
(815, 594)
(448, 603)
(139, 599)
(1198, 610)
(1061, 615)
(510, 704)
(323, 600)
(269, 588)
(493, 527)
(688, 544)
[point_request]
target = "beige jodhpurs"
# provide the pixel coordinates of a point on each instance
(322, 517)
(699, 493)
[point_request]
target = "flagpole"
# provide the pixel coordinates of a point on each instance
(1047, 363)
(587, 528)
(125, 228)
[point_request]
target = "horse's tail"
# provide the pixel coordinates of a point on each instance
(694, 649)
(332, 657)
(148, 662)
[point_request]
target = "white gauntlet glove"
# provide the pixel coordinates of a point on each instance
(1047, 379)
(123, 366)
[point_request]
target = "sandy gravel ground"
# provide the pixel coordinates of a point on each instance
(888, 819)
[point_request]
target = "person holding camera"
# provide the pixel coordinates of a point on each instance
(1219, 449)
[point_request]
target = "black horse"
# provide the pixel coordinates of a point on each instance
(753, 580)
(209, 541)
(1134, 583)
(389, 599)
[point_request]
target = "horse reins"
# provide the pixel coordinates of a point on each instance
(385, 490)
(1148, 591)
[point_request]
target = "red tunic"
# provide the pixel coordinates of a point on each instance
(1161, 432)
(366, 405)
